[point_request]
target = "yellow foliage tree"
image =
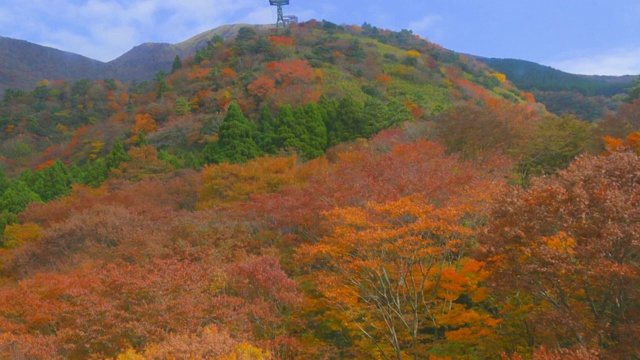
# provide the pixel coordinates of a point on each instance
(16, 235)
(225, 183)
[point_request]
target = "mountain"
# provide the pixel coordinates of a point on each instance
(389, 77)
(23, 64)
(530, 76)
(144, 61)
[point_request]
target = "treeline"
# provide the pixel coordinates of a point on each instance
(530, 76)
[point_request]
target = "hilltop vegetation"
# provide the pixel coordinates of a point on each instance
(322, 192)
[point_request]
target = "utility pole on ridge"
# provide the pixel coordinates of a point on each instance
(279, 4)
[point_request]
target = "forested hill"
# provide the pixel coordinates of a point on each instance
(530, 76)
(179, 110)
(320, 192)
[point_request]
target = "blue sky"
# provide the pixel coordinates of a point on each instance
(579, 36)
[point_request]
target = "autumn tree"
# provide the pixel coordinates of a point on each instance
(473, 129)
(554, 143)
(397, 271)
(143, 163)
(566, 250)
(237, 182)
(622, 122)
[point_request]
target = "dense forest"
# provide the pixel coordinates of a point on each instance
(318, 192)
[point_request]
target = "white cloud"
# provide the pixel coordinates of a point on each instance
(105, 29)
(428, 22)
(429, 27)
(614, 62)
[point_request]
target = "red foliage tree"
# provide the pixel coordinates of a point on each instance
(567, 250)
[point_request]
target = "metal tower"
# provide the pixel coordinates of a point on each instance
(279, 4)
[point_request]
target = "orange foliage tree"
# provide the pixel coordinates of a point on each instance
(232, 182)
(397, 270)
(289, 81)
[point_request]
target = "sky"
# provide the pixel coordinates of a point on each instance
(594, 37)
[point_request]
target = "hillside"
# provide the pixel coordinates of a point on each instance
(319, 192)
(589, 97)
(257, 70)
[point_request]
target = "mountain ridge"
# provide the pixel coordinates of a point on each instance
(23, 64)
(19, 71)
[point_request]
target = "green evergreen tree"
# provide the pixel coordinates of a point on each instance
(4, 182)
(161, 79)
(210, 153)
(192, 161)
(177, 64)
(182, 106)
(171, 159)
(349, 122)
(235, 141)
(16, 198)
(129, 109)
(142, 139)
(265, 136)
(397, 113)
(375, 115)
(315, 137)
(117, 155)
(96, 172)
(76, 175)
(55, 180)
(288, 129)
(633, 93)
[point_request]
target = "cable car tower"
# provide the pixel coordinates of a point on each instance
(279, 4)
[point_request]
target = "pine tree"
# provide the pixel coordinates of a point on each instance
(16, 198)
(177, 64)
(288, 130)
(315, 138)
(397, 113)
(235, 142)
(4, 182)
(349, 122)
(56, 181)
(182, 106)
(265, 136)
(375, 115)
(96, 172)
(117, 156)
